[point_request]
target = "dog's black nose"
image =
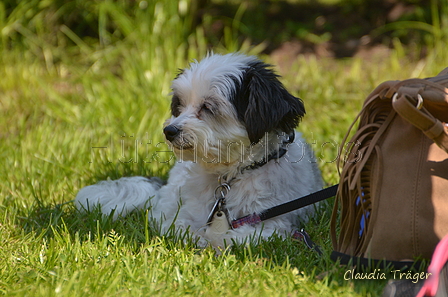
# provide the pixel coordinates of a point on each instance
(171, 132)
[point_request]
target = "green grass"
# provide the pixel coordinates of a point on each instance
(61, 95)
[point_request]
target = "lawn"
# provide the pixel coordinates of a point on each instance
(75, 110)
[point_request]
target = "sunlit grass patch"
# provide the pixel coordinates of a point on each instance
(74, 111)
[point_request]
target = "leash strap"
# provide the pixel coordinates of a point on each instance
(286, 207)
(302, 235)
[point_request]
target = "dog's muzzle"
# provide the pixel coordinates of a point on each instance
(171, 132)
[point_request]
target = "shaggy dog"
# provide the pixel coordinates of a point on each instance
(232, 130)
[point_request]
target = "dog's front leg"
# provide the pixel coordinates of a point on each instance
(119, 196)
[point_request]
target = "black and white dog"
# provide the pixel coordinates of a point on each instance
(232, 130)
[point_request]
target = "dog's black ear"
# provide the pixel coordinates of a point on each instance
(264, 105)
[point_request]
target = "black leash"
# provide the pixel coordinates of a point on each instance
(299, 203)
(286, 207)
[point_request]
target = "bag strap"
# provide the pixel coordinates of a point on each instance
(366, 263)
(409, 98)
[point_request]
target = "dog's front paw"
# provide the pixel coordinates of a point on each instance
(122, 196)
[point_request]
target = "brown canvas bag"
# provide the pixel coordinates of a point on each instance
(392, 200)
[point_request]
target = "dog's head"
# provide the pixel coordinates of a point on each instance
(226, 103)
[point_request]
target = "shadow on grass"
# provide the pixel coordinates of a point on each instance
(50, 220)
(47, 219)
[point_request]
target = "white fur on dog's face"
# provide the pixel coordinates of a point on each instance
(202, 110)
(223, 104)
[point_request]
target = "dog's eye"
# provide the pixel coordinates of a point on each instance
(206, 108)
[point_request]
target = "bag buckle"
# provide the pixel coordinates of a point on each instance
(419, 100)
